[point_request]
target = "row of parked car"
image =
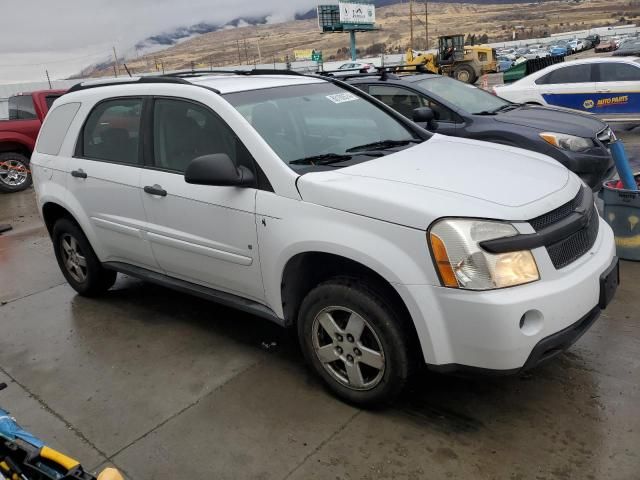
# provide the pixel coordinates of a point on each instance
(321, 203)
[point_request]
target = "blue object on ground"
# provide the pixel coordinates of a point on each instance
(622, 213)
(622, 165)
(10, 430)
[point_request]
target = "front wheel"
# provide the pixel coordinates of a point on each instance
(465, 73)
(355, 341)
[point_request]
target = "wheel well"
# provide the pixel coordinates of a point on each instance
(14, 147)
(52, 212)
(307, 270)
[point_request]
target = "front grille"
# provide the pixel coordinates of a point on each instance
(569, 249)
(554, 216)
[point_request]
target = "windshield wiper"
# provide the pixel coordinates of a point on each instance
(329, 158)
(506, 106)
(384, 144)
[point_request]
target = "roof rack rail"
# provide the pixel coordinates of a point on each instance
(255, 71)
(382, 74)
(419, 68)
(127, 81)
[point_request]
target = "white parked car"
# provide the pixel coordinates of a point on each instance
(305, 201)
(577, 45)
(533, 53)
(355, 67)
(605, 86)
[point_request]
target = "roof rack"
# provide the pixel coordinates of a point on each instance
(127, 81)
(255, 71)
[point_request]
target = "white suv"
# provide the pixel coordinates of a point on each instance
(305, 201)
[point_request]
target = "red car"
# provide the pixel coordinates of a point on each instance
(18, 136)
(606, 46)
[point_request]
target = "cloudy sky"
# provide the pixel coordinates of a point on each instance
(66, 35)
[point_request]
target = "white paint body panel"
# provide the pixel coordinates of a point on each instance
(375, 213)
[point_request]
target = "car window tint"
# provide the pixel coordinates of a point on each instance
(50, 99)
(21, 108)
(183, 131)
(568, 74)
(112, 131)
(618, 72)
(400, 99)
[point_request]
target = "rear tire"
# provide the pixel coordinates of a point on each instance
(465, 73)
(355, 341)
(14, 172)
(78, 262)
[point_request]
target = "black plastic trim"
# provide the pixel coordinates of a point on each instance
(155, 79)
(223, 298)
(547, 236)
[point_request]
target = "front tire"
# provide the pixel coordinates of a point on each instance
(14, 172)
(465, 73)
(355, 341)
(78, 262)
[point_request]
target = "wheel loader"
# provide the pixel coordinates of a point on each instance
(464, 63)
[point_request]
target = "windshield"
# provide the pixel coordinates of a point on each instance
(466, 97)
(321, 124)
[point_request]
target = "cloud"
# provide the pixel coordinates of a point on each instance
(66, 35)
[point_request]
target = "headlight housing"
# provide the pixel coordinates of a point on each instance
(567, 142)
(462, 263)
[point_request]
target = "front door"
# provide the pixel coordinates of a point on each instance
(618, 90)
(199, 233)
(104, 181)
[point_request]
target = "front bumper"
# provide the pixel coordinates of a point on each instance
(482, 331)
(594, 167)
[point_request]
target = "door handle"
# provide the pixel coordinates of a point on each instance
(155, 190)
(78, 173)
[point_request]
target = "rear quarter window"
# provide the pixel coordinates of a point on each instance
(55, 128)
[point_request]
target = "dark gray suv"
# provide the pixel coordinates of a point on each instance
(578, 141)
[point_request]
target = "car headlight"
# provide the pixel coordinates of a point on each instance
(462, 263)
(567, 142)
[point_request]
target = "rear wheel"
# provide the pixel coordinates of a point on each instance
(355, 341)
(14, 172)
(464, 73)
(78, 262)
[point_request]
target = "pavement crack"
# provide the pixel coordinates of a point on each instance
(183, 410)
(4, 303)
(322, 444)
(50, 410)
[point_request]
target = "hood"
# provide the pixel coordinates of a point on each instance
(553, 120)
(445, 176)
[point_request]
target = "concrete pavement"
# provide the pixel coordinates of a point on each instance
(164, 385)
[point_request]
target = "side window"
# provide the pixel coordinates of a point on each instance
(440, 112)
(570, 74)
(55, 128)
(618, 72)
(50, 99)
(401, 100)
(184, 130)
(21, 108)
(112, 131)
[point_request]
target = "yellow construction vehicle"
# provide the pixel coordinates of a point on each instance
(464, 63)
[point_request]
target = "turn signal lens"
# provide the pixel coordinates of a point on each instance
(443, 262)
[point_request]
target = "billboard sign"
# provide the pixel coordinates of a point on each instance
(357, 13)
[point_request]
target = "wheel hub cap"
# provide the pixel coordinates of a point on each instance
(13, 173)
(74, 261)
(348, 348)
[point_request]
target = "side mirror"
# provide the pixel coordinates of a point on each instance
(218, 170)
(425, 115)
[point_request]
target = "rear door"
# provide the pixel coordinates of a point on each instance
(618, 90)
(104, 181)
(570, 86)
(199, 233)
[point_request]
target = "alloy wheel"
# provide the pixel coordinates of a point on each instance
(348, 348)
(74, 260)
(13, 173)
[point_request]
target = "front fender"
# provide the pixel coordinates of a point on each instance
(16, 137)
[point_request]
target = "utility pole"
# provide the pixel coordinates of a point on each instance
(48, 79)
(246, 52)
(116, 67)
(411, 23)
(259, 53)
(426, 23)
(238, 45)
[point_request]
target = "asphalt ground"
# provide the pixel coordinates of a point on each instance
(168, 386)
